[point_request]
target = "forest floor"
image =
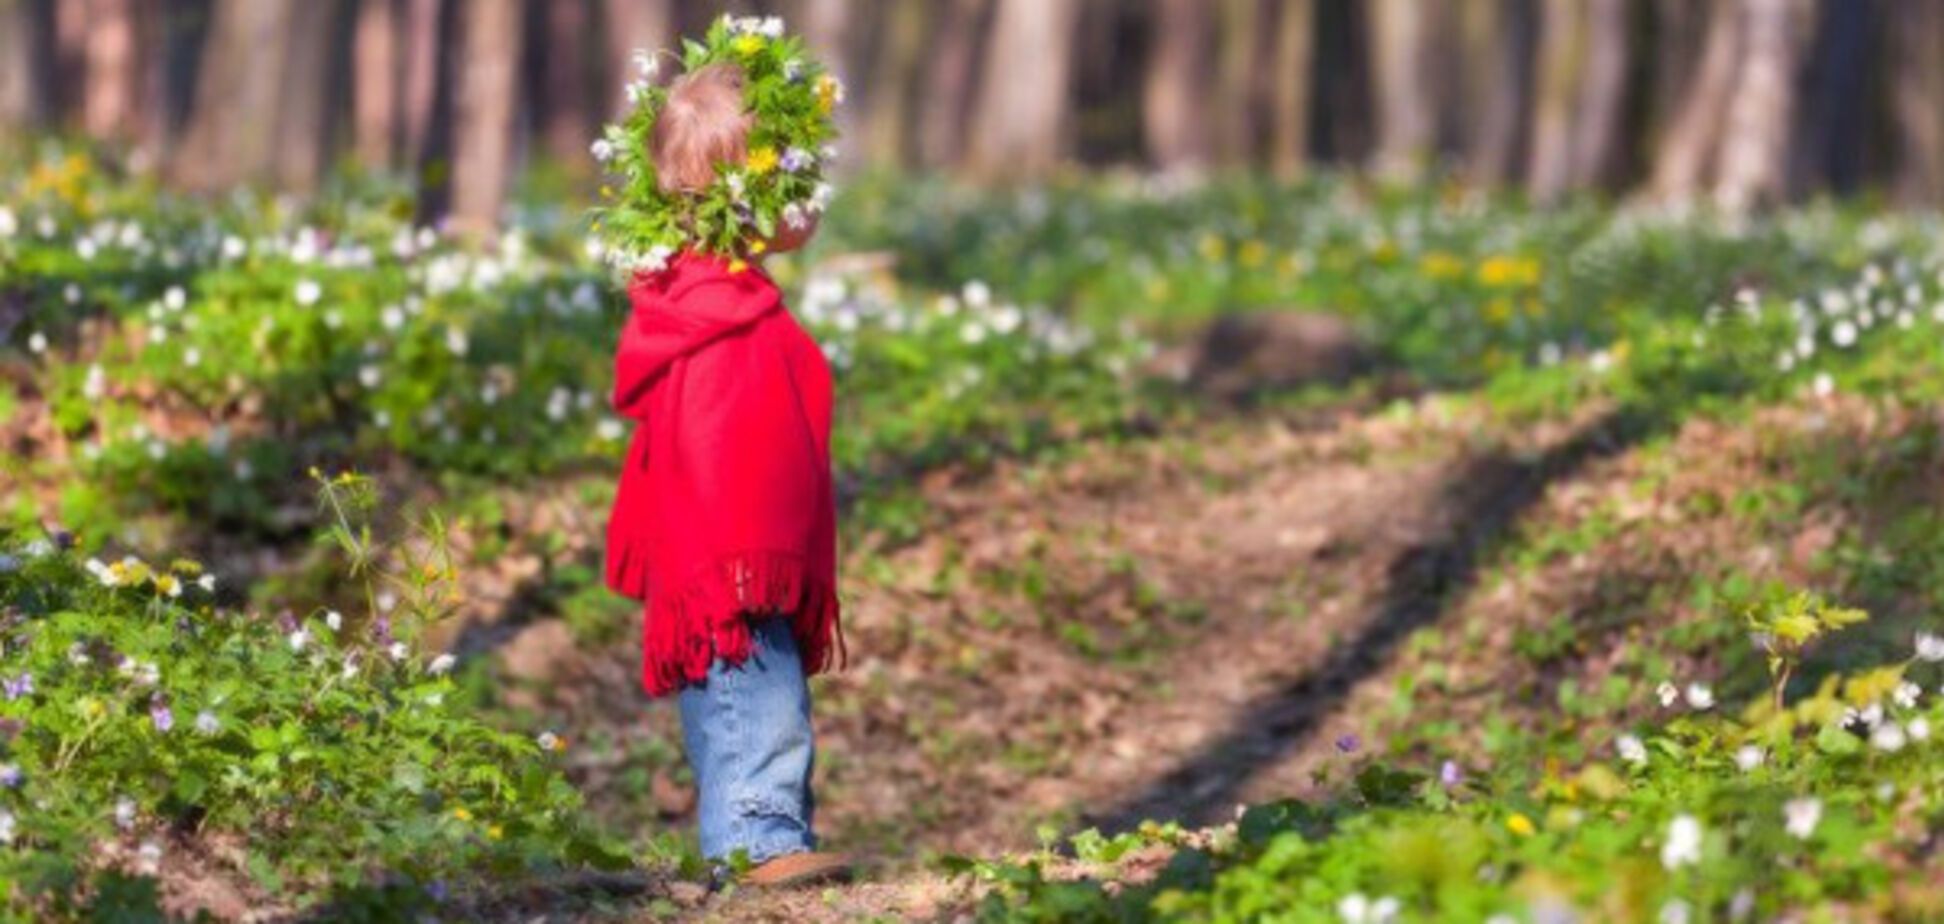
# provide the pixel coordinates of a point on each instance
(1164, 629)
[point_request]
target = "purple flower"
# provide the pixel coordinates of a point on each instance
(9, 775)
(163, 717)
(381, 627)
(1450, 774)
(1349, 744)
(17, 687)
(437, 889)
(797, 160)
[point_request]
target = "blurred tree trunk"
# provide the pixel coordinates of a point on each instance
(23, 66)
(485, 102)
(70, 53)
(1753, 161)
(1019, 122)
(1917, 99)
(827, 29)
(309, 87)
(423, 41)
(1562, 34)
(232, 130)
(634, 24)
(1406, 128)
(948, 82)
(1498, 41)
(1174, 97)
(894, 84)
(1238, 81)
(1602, 93)
(567, 124)
(1685, 151)
(111, 69)
(375, 82)
(1290, 86)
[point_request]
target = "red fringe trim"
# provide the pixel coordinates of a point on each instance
(708, 618)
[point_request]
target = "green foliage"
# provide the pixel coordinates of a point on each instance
(789, 98)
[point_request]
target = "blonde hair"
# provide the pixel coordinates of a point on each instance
(703, 124)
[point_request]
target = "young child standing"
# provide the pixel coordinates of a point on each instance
(725, 522)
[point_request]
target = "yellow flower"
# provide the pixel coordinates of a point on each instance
(1520, 825)
(1252, 254)
(762, 160)
(92, 708)
(747, 44)
(167, 584)
(829, 93)
(737, 265)
(461, 814)
(1440, 265)
(494, 832)
(757, 247)
(1508, 271)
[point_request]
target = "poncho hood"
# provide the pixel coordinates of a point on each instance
(696, 300)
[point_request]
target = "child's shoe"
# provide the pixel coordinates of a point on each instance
(793, 870)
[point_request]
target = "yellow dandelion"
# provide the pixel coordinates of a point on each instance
(757, 247)
(1520, 825)
(762, 160)
(747, 44)
(737, 265)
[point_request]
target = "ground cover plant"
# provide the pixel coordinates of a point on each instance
(1612, 449)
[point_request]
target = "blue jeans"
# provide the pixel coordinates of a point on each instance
(747, 732)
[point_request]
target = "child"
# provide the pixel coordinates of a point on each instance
(725, 523)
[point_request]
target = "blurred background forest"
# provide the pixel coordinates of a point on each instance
(1741, 102)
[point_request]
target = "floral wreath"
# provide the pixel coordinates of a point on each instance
(638, 227)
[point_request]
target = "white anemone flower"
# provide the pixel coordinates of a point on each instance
(1631, 750)
(442, 664)
(1683, 844)
(1800, 816)
(1699, 696)
(1930, 647)
(1748, 757)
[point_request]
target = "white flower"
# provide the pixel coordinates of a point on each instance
(771, 27)
(37, 342)
(1918, 729)
(148, 858)
(608, 429)
(455, 339)
(1356, 908)
(973, 333)
(1742, 905)
(1668, 693)
(645, 63)
(397, 651)
(1748, 757)
(370, 376)
(9, 225)
(1824, 385)
(234, 248)
(207, 723)
(86, 248)
(1930, 647)
(1699, 696)
(1800, 816)
(602, 150)
(1683, 844)
(441, 664)
(207, 582)
(175, 298)
(334, 619)
(95, 384)
(548, 741)
(7, 823)
(1843, 334)
(299, 639)
(1676, 911)
(1631, 750)
(1906, 694)
(124, 813)
(308, 292)
(1887, 737)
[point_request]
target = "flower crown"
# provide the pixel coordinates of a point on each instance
(638, 227)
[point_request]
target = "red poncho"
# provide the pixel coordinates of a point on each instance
(725, 506)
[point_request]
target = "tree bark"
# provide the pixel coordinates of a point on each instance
(566, 121)
(948, 82)
(309, 89)
(1602, 93)
(376, 81)
(23, 85)
(828, 31)
(1019, 122)
(112, 63)
(888, 132)
(1755, 142)
(1290, 86)
(1561, 34)
(1406, 129)
(1686, 151)
(1238, 81)
(232, 132)
(1174, 98)
(1917, 99)
(423, 40)
(1499, 41)
(485, 102)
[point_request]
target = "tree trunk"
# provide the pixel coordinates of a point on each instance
(232, 130)
(1405, 124)
(112, 65)
(375, 82)
(1174, 98)
(827, 30)
(948, 82)
(1917, 98)
(1019, 123)
(888, 132)
(309, 88)
(647, 25)
(424, 40)
(1499, 41)
(1289, 87)
(1602, 92)
(1561, 32)
(1685, 152)
(1238, 81)
(23, 83)
(485, 101)
(566, 121)
(1755, 139)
